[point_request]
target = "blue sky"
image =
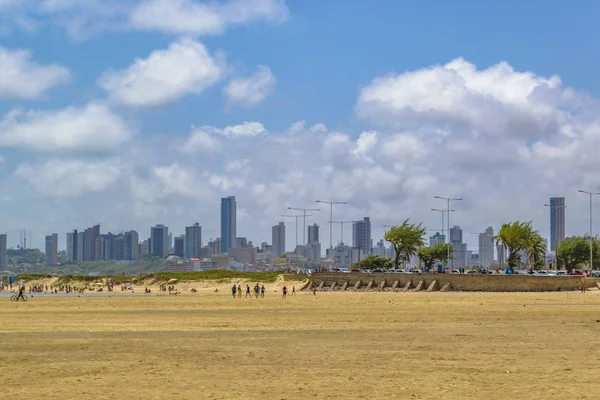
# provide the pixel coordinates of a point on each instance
(497, 133)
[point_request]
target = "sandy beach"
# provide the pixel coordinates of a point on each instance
(332, 345)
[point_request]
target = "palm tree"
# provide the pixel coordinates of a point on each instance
(520, 237)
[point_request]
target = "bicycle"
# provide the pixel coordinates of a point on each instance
(16, 298)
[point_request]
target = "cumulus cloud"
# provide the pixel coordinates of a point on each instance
(252, 90)
(185, 67)
(200, 18)
(93, 128)
(404, 153)
(23, 78)
(70, 178)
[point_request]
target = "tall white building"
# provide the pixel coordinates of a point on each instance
(278, 236)
(3, 253)
(486, 247)
(361, 236)
(557, 222)
(312, 251)
(459, 256)
(193, 241)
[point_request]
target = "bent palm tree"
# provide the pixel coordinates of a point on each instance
(520, 237)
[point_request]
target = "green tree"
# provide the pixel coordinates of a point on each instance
(374, 262)
(574, 252)
(430, 255)
(520, 237)
(406, 239)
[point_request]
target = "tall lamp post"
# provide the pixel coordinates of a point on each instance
(552, 208)
(342, 228)
(448, 200)
(304, 210)
(295, 216)
(591, 237)
(331, 203)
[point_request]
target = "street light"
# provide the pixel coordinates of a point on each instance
(342, 228)
(591, 241)
(295, 216)
(448, 200)
(304, 210)
(331, 203)
(556, 244)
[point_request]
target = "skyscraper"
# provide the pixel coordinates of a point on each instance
(179, 246)
(193, 241)
(557, 222)
(52, 249)
(3, 254)
(456, 234)
(486, 247)
(72, 239)
(80, 246)
(313, 233)
(89, 246)
(278, 239)
(361, 236)
(159, 241)
(228, 223)
(131, 240)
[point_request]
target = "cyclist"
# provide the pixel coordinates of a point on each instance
(20, 296)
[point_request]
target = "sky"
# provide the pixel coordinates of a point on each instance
(133, 113)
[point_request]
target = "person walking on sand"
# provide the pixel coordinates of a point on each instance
(256, 290)
(293, 290)
(262, 292)
(284, 295)
(240, 291)
(233, 290)
(20, 295)
(247, 291)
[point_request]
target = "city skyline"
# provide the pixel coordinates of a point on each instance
(243, 111)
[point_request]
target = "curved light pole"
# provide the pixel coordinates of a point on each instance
(342, 228)
(552, 208)
(295, 216)
(331, 203)
(304, 210)
(591, 240)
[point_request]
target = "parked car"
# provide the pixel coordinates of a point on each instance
(596, 274)
(578, 272)
(562, 273)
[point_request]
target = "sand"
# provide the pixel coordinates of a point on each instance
(334, 345)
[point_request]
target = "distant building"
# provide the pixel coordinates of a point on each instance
(486, 247)
(193, 241)
(179, 246)
(52, 249)
(438, 238)
(456, 235)
(144, 248)
(344, 256)
(80, 246)
(557, 222)
(382, 251)
(131, 247)
(89, 243)
(244, 255)
(228, 223)
(221, 261)
(459, 256)
(312, 251)
(72, 238)
(361, 237)
(159, 241)
(278, 236)
(501, 254)
(3, 253)
(241, 242)
(313, 233)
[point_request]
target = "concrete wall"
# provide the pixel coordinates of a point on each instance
(461, 282)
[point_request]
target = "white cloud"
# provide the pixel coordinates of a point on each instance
(244, 129)
(185, 67)
(23, 78)
(201, 140)
(70, 178)
(365, 144)
(250, 91)
(91, 128)
(496, 100)
(191, 17)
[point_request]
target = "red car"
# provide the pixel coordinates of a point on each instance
(578, 272)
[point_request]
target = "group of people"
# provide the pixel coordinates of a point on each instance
(259, 291)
